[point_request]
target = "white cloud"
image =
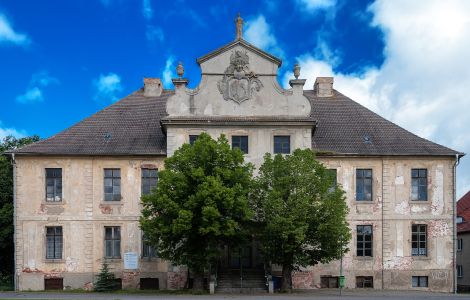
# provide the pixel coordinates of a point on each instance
(259, 33)
(9, 36)
(107, 87)
(147, 10)
(168, 73)
(34, 91)
(4, 132)
(316, 5)
(423, 84)
(154, 34)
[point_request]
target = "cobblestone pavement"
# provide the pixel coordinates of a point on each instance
(316, 295)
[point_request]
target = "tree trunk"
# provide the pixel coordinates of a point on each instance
(286, 285)
(198, 282)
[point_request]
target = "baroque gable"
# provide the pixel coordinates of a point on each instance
(238, 80)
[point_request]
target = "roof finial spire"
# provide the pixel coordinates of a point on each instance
(239, 25)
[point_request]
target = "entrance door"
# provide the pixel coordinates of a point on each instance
(240, 257)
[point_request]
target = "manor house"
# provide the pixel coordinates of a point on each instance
(77, 193)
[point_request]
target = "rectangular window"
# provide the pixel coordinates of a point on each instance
(333, 176)
(54, 185)
(364, 282)
(112, 184)
(459, 271)
(192, 139)
(459, 244)
(112, 242)
(419, 184)
(147, 250)
(419, 281)
(240, 142)
(418, 240)
(282, 144)
(54, 243)
(149, 180)
(363, 184)
(364, 240)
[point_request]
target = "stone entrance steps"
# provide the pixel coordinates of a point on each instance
(252, 281)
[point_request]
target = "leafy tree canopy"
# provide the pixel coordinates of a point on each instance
(200, 204)
(300, 212)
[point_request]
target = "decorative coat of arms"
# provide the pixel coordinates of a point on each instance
(239, 82)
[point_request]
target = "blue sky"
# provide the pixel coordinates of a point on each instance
(61, 61)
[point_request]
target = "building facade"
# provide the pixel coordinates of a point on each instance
(463, 242)
(77, 193)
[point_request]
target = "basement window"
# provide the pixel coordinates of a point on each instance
(364, 282)
(419, 281)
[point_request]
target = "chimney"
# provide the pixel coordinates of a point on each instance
(152, 87)
(323, 86)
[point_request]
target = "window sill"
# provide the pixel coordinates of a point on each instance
(420, 257)
(364, 202)
(112, 260)
(53, 202)
(367, 258)
(419, 201)
(54, 261)
(104, 202)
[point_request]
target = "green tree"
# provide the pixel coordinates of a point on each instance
(200, 204)
(301, 214)
(6, 200)
(105, 282)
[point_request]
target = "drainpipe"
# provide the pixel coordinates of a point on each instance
(15, 223)
(454, 226)
(383, 204)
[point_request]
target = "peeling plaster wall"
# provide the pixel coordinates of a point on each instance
(399, 213)
(260, 139)
(82, 215)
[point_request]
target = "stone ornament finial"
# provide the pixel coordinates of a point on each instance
(239, 26)
(180, 69)
(296, 71)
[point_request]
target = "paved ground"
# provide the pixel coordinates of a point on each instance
(316, 295)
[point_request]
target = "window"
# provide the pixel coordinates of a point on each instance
(364, 282)
(112, 242)
(333, 176)
(192, 139)
(281, 144)
(54, 242)
(459, 220)
(459, 271)
(419, 184)
(149, 180)
(364, 185)
(147, 250)
(240, 142)
(54, 185)
(364, 240)
(112, 184)
(459, 244)
(419, 281)
(418, 240)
